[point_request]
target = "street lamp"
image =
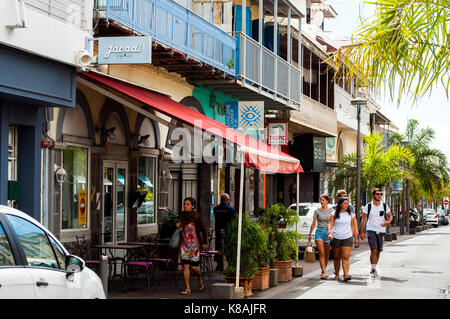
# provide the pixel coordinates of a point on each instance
(358, 102)
(405, 219)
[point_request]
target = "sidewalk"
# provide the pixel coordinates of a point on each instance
(163, 291)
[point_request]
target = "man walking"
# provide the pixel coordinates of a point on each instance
(375, 213)
(342, 193)
(223, 215)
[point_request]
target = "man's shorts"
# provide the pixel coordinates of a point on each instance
(339, 243)
(322, 234)
(375, 240)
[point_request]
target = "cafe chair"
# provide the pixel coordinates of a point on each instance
(139, 263)
(84, 253)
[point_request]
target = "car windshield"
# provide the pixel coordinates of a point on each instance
(303, 210)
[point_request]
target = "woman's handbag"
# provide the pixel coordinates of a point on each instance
(174, 241)
(310, 255)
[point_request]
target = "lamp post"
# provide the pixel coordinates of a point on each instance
(358, 103)
(405, 219)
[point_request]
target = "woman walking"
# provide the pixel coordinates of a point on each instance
(321, 217)
(193, 236)
(342, 227)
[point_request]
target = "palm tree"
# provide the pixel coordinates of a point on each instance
(429, 171)
(379, 166)
(404, 45)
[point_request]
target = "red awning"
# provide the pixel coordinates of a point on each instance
(258, 155)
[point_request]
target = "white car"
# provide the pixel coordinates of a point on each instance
(34, 264)
(306, 213)
(431, 217)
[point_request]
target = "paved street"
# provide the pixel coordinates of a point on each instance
(416, 267)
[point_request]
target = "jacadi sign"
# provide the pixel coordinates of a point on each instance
(125, 50)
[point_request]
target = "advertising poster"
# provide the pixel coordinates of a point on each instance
(82, 207)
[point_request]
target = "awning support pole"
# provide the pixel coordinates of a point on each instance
(241, 198)
(298, 213)
(264, 192)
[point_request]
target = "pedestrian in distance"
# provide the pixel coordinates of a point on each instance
(223, 216)
(193, 237)
(339, 194)
(292, 193)
(342, 228)
(321, 217)
(375, 213)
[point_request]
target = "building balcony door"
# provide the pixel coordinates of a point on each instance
(115, 188)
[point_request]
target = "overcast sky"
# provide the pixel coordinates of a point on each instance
(432, 111)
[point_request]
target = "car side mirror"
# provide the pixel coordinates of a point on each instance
(74, 264)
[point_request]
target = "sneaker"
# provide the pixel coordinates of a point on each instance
(373, 272)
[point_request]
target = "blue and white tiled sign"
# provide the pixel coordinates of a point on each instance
(251, 115)
(231, 115)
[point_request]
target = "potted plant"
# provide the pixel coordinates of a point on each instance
(169, 225)
(253, 242)
(286, 251)
(167, 229)
(264, 260)
(276, 219)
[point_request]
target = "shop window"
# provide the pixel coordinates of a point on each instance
(75, 201)
(146, 183)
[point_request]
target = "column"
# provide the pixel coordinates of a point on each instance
(289, 49)
(275, 43)
(4, 133)
(260, 38)
(243, 38)
(299, 53)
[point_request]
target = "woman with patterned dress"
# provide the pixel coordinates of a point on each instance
(193, 237)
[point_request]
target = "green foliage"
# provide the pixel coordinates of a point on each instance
(254, 243)
(278, 213)
(169, 225)
(230, 63)
(282, 243)
(380, 166)
(286, 244)
(428, 173)
(405, 45)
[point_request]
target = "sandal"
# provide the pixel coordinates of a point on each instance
(202, 286)
(347, 278)
(336, 277)
(325, 276)
(186, 292)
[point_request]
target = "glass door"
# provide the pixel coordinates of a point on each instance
(115, 186)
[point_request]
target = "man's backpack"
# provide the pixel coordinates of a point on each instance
(370, 207)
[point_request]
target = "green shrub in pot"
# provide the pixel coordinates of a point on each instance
(253, 244)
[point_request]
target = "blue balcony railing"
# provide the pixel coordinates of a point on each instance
(176, 26)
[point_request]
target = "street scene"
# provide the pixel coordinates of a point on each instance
(224, 150)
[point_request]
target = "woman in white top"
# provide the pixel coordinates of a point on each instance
(342, 227)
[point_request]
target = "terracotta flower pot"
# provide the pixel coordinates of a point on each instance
(246, 282)
(284, 270)
(262, 279)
